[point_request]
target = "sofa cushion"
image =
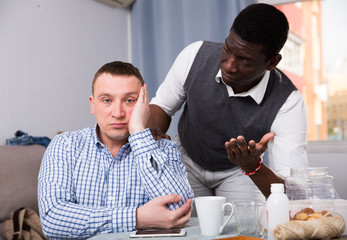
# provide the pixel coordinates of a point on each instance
(19, 170)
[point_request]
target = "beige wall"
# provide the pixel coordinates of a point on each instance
(50, 51)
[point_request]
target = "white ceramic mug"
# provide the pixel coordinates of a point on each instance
(210, 210)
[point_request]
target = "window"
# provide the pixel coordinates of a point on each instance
(315, 59)
(292, 53)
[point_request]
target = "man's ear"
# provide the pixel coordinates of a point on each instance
(91, 104)
(272, 62)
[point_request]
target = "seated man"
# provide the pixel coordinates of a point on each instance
(113, 177)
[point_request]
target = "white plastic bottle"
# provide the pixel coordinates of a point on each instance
(277, 208)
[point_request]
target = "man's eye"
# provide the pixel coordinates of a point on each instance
(130, 100)
(246, 62)
(106, 100)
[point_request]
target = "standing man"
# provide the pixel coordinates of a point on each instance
(236, 104)
(113, 177)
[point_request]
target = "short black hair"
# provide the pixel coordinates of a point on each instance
(264, 24)
(118, 68)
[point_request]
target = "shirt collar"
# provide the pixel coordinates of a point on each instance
(96, 138)
(257, 92)
(99, 143)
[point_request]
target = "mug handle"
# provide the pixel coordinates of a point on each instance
(231, 214)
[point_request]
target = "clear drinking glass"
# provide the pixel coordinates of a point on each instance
(250, 218)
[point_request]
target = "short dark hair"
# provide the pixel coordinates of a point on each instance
(118, 68)
(264, 24)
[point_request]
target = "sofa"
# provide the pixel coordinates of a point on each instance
(19, 168)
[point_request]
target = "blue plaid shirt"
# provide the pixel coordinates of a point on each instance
(84, 191)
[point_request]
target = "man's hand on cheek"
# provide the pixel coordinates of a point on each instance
(140, 113)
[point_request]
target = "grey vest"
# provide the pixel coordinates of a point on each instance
(211, 117)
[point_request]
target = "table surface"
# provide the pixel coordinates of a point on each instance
(192, 229)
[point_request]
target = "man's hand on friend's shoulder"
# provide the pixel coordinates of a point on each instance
(159, 134)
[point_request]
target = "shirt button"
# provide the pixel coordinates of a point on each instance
(110, 198)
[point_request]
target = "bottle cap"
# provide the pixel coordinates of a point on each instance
(277, 187)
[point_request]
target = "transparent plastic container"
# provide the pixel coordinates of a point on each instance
(310, 190)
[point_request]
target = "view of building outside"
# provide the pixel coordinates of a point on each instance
(316, 64)
(335, 66)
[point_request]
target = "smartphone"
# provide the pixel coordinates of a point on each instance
(158, 233)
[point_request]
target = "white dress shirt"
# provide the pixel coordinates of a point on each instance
(289, 147)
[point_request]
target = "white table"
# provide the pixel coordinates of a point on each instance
(192, 229)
